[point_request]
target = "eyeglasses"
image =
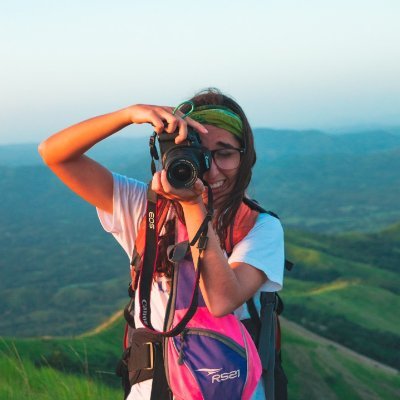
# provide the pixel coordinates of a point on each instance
(228, 158)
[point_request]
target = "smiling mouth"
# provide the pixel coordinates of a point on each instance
(216, 185)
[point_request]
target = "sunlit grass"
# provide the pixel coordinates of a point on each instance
(332, 287)
(20, 379)
(318, 370)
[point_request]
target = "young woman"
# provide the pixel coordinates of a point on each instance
(255, 264)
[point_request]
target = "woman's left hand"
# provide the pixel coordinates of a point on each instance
(162, 187)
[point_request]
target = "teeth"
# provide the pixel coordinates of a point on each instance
(216, 185)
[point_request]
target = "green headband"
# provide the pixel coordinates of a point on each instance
(219, 116)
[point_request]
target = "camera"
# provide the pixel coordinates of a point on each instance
(184, 162)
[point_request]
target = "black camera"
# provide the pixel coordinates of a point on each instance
(184, 162)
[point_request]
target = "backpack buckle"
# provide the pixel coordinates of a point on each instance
(151, 355)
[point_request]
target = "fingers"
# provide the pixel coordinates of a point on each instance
(154, 118)
(183, 127)
(196, 125)
(199, 187)
(156, 183)
(162, 187)
(163, 120)
(172, 121)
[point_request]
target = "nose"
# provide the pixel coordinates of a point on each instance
(212, 172)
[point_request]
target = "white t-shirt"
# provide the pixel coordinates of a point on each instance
(263, 248)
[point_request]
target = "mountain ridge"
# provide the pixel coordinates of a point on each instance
(273, 141)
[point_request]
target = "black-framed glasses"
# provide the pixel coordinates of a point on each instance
(227, 158)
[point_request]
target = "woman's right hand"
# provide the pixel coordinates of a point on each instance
(163, 120)
(64, 152)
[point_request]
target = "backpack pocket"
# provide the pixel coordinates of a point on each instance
(214, 365)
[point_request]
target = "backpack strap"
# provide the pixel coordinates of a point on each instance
(265, 329)
(163, 207)
(150, 258)
(245, 218)
(253, 205)
(267, 341)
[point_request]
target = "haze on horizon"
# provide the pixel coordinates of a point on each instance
(290, 64)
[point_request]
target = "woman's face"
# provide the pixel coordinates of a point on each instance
(220, 180)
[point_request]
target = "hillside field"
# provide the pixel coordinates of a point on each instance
(82, 368)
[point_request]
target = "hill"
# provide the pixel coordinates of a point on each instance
(331, 193)
(320, 369)
(347, 288)
(56, 289)
(318, 182)
(270, 143)
(315, 367)
(55, 261)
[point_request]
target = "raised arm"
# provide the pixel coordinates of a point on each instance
(64, 151)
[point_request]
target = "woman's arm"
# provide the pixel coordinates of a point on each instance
(64, 151)
(224, 287)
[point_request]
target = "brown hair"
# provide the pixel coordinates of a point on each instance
(227, 211)
(231, 204)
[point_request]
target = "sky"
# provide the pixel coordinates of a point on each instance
(299, 64)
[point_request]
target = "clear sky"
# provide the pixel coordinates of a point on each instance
(289, 63)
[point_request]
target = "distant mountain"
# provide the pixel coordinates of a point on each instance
(55, 259)
(331, 192)
(15, 155)
(314, 181)
(113, 152)
(270, 144)
(55, 262)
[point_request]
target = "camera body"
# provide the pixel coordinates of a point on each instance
(184, 162)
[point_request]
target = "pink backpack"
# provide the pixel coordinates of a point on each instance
(212, 358)
(205, 357)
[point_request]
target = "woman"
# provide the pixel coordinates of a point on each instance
(256, 262)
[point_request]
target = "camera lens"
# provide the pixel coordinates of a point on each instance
(181, 173)
(185, 162)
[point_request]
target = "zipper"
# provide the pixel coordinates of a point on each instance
(182, 338)
(205, 332)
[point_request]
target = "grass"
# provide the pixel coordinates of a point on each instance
(22, 380)
(369, 307)
(93, 355)
(318, 370)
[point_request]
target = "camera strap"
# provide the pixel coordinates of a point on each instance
(150, 259)
(201, 237)
(153, 152)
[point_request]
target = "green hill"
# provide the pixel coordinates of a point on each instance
(320, 369)
(62, 368)
(56, 263)
(81, 368)
(331, 193)
(22, 380)
(347, 288)
(54, 271)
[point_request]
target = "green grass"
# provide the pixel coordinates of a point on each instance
(367, 306)
(345, 295)
(22, 380)
(318, 370)
(68, 368)
(92, 355)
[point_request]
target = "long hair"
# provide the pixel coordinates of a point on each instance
(232, 201)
